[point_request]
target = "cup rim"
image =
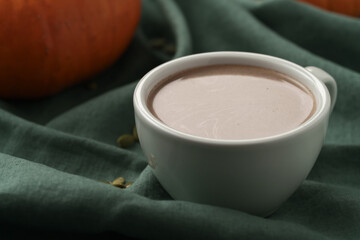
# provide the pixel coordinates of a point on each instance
(144, 113)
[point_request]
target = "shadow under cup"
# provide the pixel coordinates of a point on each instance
(255, 175)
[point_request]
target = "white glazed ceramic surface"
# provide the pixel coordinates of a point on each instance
(255, 176)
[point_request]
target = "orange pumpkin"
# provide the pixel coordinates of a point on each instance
(347, 7)
(48, 45)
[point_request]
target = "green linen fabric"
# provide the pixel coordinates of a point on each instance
(55, 151)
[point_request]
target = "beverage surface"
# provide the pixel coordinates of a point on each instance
(231, 102)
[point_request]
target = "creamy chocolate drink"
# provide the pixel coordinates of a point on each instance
(231, 102)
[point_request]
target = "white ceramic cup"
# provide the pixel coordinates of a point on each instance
(256, 175)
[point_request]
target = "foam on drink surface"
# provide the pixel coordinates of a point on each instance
(231, 102)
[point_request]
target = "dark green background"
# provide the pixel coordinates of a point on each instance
(54, 151)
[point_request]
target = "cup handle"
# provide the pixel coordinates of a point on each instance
(328, 80)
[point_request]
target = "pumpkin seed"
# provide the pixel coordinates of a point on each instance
(126, 140)
(118, 181)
